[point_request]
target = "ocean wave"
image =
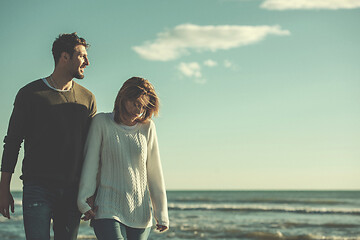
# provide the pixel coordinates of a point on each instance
(324, 225)
(258, 200)
(235, 232)
(86, 237)
(261, 208)
(280, 236)
(18, 218)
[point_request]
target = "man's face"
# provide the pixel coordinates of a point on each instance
(79, 61)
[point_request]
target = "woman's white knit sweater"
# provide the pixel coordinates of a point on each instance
(123, 164)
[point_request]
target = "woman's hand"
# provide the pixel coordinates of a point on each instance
(91, 201)
(161, 228)
(88, 215)
(91, 213)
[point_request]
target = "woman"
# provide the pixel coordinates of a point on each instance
(122, 166)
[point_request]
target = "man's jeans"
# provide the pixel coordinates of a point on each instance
(42, 203)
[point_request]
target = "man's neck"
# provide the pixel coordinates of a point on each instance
(59, 81)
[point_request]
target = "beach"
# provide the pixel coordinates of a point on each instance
(248, 215)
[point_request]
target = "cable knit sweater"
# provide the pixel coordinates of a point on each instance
(122, 164)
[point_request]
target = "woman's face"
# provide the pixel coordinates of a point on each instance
(135, 108)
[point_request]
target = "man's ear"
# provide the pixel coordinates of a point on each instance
(65, 56)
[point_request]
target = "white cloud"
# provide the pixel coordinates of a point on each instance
(210, 63)
(310, 4)
(191, 69)
(174, 43)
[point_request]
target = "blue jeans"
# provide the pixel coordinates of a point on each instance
(110, 229)
(42, 203)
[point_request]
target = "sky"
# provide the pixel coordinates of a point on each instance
(255, 94)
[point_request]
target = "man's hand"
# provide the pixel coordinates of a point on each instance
(91, 213)
(91, 201)
(6, 201)
(161, 228)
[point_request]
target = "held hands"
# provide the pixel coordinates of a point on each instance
(91, 213)
(6, 201)
(161, 228)
(88, 215)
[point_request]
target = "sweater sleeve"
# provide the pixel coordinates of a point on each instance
(15, 134)
(93, 108)
(90, 169)
(156, 181)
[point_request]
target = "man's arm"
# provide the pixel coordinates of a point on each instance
(6, 199)
(13, 140)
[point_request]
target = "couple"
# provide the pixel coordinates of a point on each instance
(107, 166)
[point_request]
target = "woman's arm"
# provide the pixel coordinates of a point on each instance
(156, 181)
(90, 169)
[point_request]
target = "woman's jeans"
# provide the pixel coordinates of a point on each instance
(110, 229)
(42, 203)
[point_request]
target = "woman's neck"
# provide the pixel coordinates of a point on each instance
(127, 121)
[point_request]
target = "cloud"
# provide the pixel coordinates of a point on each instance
(174, 43)
(310, 4)
(210, 63)
(192, 70)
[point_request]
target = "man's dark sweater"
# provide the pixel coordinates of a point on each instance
(54, 127)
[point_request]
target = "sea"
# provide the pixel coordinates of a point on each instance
(247, 215)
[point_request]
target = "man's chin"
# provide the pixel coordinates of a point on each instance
(79, 76)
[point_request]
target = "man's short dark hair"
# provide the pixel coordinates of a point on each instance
(66, 43)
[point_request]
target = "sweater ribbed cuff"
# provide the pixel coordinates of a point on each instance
(83, 207)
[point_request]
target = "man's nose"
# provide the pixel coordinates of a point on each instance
(87, 62)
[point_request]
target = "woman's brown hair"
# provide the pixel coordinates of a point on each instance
(132, 89)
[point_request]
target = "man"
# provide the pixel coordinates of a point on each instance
(52, 116)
